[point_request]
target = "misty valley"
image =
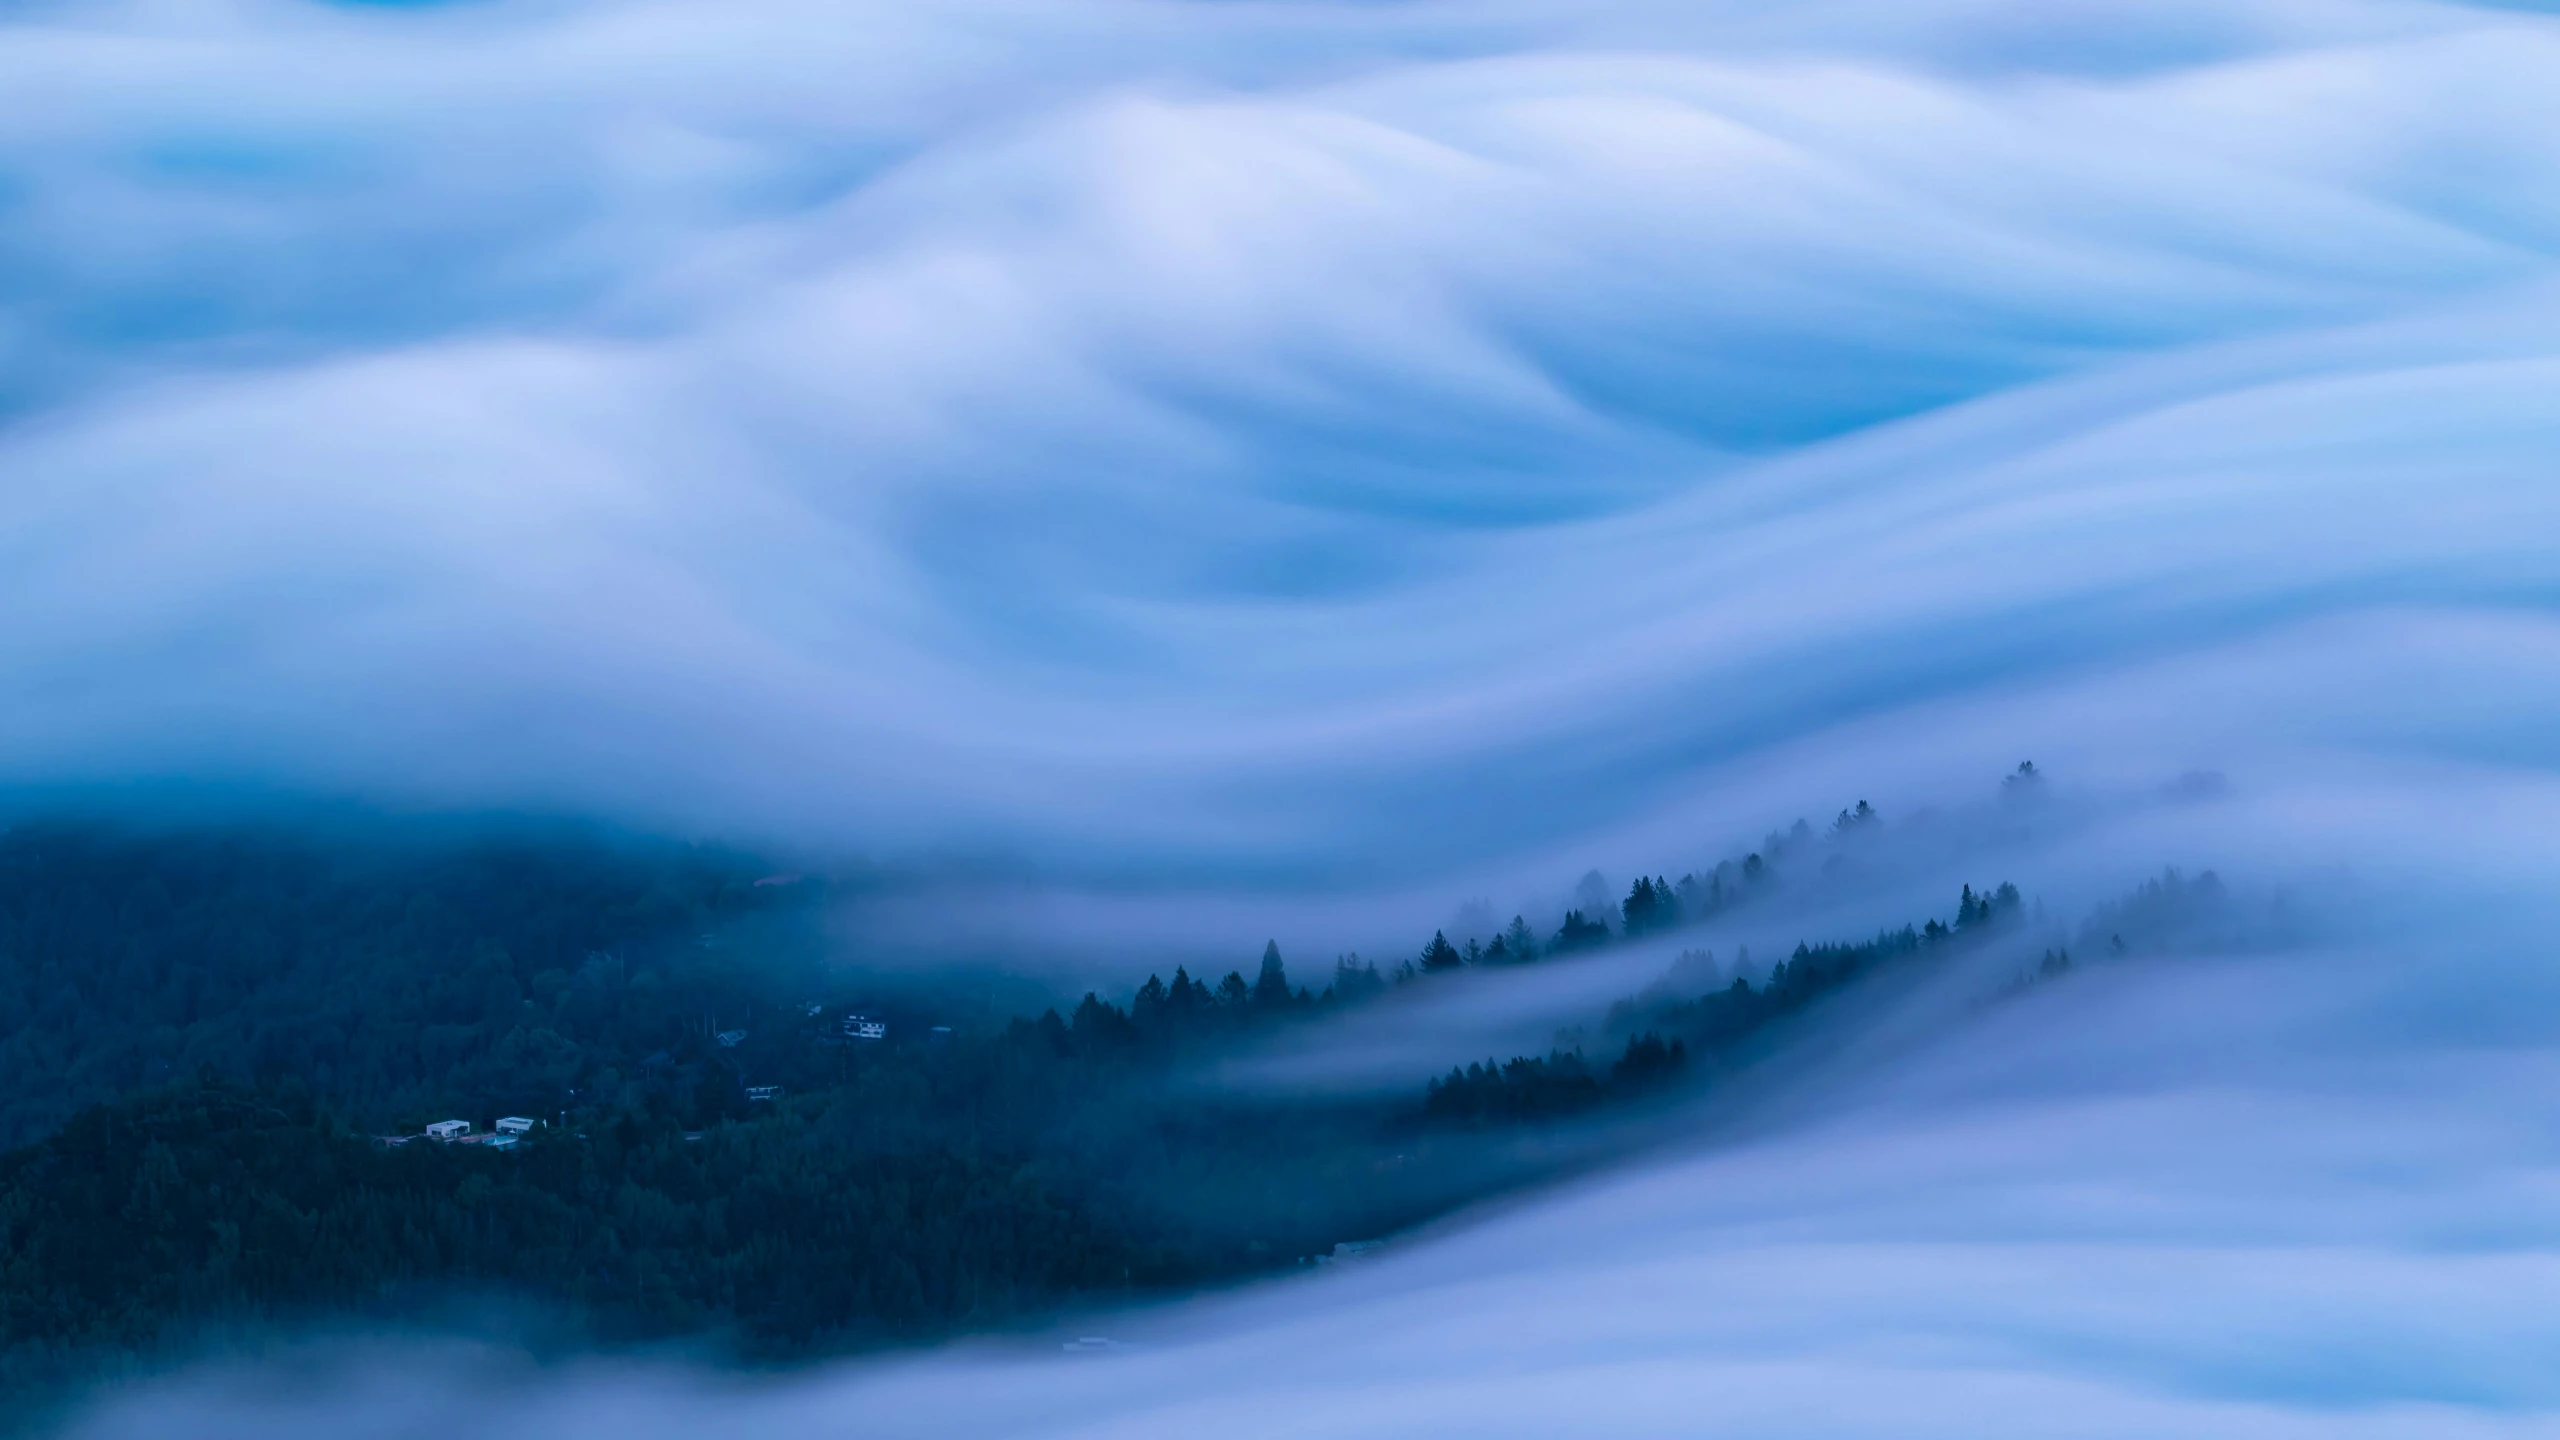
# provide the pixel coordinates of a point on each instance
(689, 1110)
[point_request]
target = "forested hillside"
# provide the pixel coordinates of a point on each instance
(390, 973)
(234, 1022)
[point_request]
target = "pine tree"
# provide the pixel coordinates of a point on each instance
(1440, 954)
(1271, 987)
(1519, 941)
(1187, 998)
(1148, 1008)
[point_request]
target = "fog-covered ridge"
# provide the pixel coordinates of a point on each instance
(2277, 1188)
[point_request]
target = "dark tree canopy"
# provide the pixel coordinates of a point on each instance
(1578, 933)
(1439, 955)
(1271, 985)
(1650, 905)
(203, 1034)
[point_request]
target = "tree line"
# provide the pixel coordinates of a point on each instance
(217, 1168)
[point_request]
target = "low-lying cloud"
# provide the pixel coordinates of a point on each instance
(1345, 443)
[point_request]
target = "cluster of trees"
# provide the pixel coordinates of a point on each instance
(2169, 910)
(229, 1020)
(401, 976)
(1653, 904)
(1720, 1019)
(208, 1205)
(1550, 1087)
(410, 976)
(1669, 1019)
(928, 1188)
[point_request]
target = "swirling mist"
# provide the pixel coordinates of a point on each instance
(1258, 441)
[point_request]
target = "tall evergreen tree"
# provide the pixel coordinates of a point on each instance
(1520, 940)
(1440, 954)
(1271, 987)
(1148, 1007)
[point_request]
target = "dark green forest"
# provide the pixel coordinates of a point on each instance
(217, 1045)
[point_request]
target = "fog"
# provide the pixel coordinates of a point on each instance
(1339, 447)
(1295, 470)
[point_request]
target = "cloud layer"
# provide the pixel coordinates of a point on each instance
(1318, 441)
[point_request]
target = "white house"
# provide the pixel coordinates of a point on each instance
(448, 1129)
(729, 1038)
(513, 1125)
(863, 1027)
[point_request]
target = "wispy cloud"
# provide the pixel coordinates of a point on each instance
(1268, 440)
